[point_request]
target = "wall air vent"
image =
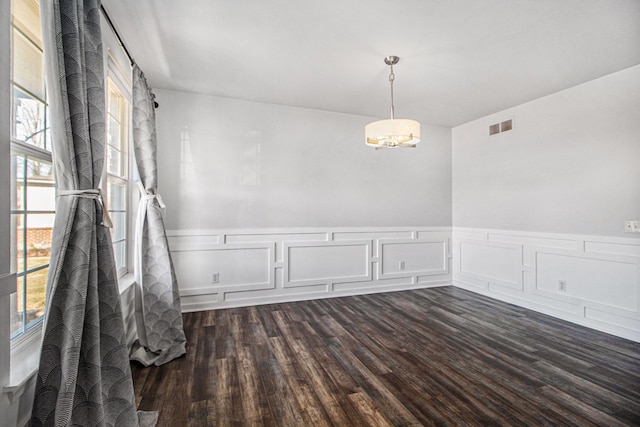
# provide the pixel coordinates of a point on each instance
(501, 127)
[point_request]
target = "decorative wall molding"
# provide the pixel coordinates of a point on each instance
(601, 274)
(282, 265)
(590, 280)
(423, 257)
(498, 263)
(316, 263)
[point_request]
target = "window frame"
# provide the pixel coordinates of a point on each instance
(28, 330)
(121, 80)
(118, 178)
(27, 153)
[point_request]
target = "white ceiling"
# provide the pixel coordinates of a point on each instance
(460, 59)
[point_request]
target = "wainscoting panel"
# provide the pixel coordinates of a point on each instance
(281, 265)
(612, 249)
(246, 266)
(292, 237)
(590, 280)
(359, 235)
(311, 264)
(423, 257)
(496, 263)
(608, 282)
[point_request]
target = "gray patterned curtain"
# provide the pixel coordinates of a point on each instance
(158, 317)
(84, 377)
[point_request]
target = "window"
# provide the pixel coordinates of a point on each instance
(32, 182)
(32, 179)
(117, 167)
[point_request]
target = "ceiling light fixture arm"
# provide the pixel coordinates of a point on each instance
(391, 61)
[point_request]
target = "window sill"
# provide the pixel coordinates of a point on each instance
(125, 282)
(25, 359)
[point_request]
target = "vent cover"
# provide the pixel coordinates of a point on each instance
(505, 126)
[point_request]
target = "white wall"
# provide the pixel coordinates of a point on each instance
(569, 166)
(227, 163)
(538, 211)
(286, 203)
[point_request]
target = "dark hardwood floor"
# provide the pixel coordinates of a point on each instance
(440, 356)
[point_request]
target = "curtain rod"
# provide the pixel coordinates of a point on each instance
(113, 28)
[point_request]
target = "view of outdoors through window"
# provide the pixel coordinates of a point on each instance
(117, 168)
(32, 182)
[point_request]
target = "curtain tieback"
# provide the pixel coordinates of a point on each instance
(146, 196)
(95, 194)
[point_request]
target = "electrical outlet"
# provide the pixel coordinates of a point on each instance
(215, 278)
(562, 285)
(401, 265)
(631, 227)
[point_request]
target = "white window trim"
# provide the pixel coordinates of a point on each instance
(25, 358)
(115, 72)
(23, 347)
(32, 152)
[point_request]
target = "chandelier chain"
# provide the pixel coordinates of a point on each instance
(392, 77)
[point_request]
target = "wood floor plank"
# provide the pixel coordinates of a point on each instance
(441, 356)
(228, 399)
(204, 366)
(282, 402)
(172, 408)
(368, 410)
(198, 414)
(320, 383)
(582, 408)
(308, 404)
(254, 401)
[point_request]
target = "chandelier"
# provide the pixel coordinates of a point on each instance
(392, 133)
